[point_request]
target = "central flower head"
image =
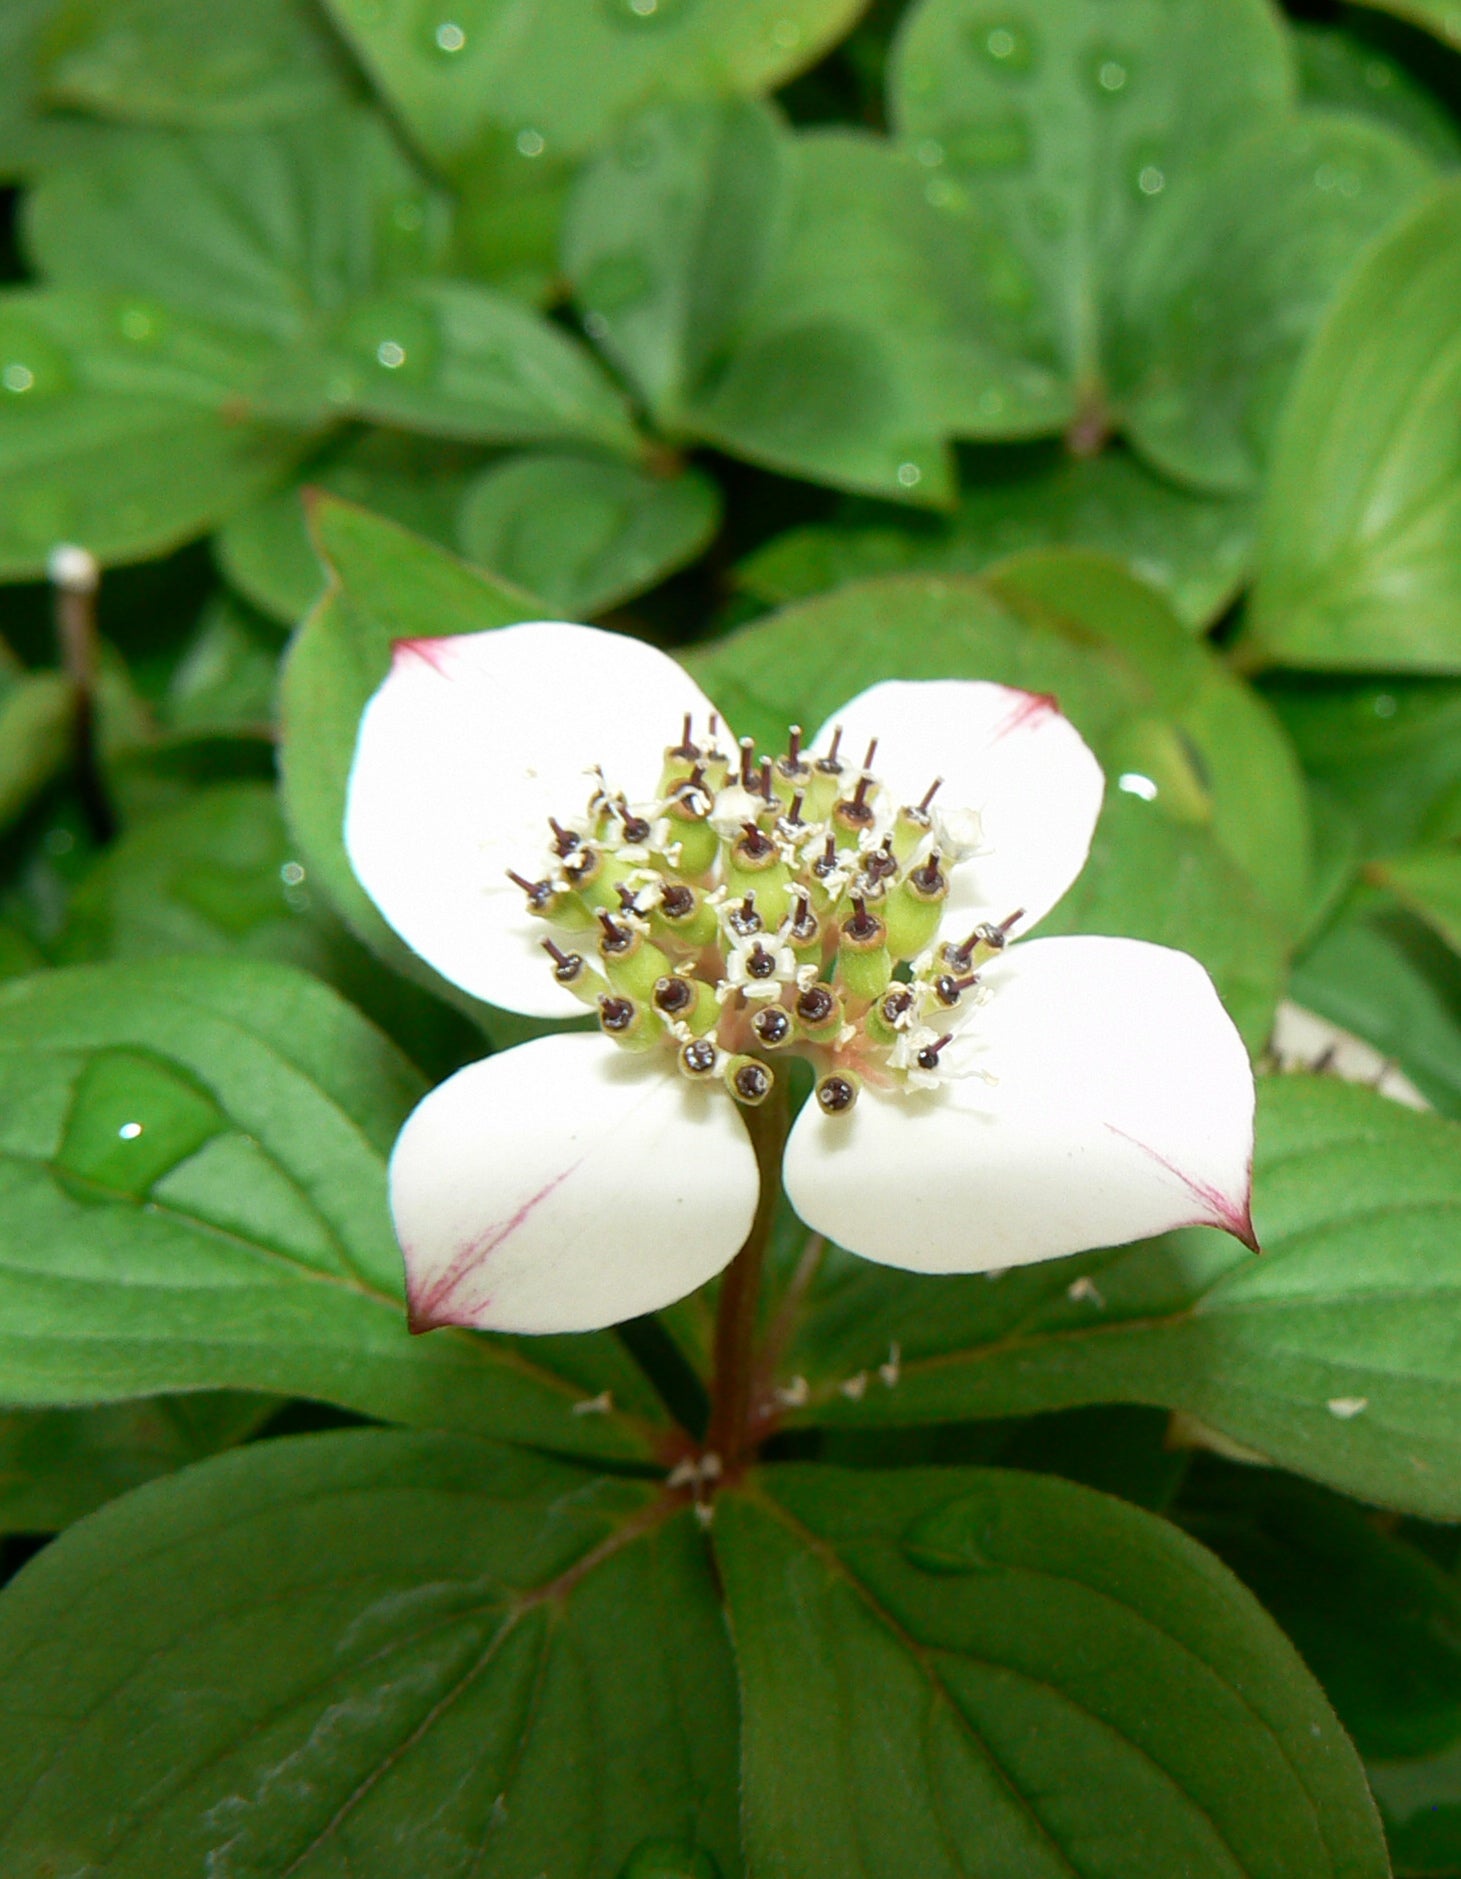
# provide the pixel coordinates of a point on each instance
(556, 819)
(759, 908)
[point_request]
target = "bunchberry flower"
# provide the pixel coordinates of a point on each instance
(557, 820)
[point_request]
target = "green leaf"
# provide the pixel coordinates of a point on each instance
(37, 715)
(1350, 67)
(669, 236)
(1429, 884)
(217, 873)
(1378, 1623)
(1067, 123)
(1229, 758)
(225, 677)
(1386, 750)
(1157, 869)
(192, 1186)
(27, 140)
(1332, 1354)
(583, 532)
(165, 62)
(946, 1671)
(377, 1654)
(266, 550)
(1235, 268)
(554, 76)
(57, 1465)
(268, 232)
(122, 428)
(1420, 1804)
(1383, 975)
(1193, 548)
(1361, 541)
(387, 585)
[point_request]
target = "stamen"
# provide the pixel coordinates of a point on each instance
(673, 996)
(791, 764)
(676, 902)
(829, 765)
(748, 760)
(766, 789)
(836, 1094)
(745, 920)
(929, 879)
(854, 811)
(895, 1004)
(697, 1059)
(617, 1015)
(816, 1005)
(882, 864)
(617, 939)
(636, 829)
(564, 840)
(826, 862)
(566, 966)
(752, 1082)
(929, 794)
(872, 751)
(803, 921)
(686, 749)
(760, 963)
(862, 925)
(752, 844)
(772, 1026)
(949, 990)
(793, 815)
(539, 893)
(928, 1056)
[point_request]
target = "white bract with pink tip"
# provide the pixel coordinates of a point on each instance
(556, 819)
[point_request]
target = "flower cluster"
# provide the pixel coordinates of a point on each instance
(556, 819)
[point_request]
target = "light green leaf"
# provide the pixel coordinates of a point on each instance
(388, 585)
(192, 1189)
(583, 532)
(1379, 972)
(27, 139)
(57, 1465)
(1360, 554)
(1157, 869)
(1378, 1622)
(375, 1654)
(266, 550)
(1349, 66)
(947, 1671)
(554, 76)
(1193, 548)
(1234, 269)
(1068, 122)
(122, 429)
(166, 62)
(1230, 760)
(1334, 1354)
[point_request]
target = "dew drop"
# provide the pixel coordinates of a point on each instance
(449, 37)
(395, 338)
(909, 475)
(930, 153)
(530, 142)
(141, 322)
(637, 14)
(1135, 784)
(134, 1118)
(1151, 181)
(32, 365)
(1008, 46)
(1110, 74)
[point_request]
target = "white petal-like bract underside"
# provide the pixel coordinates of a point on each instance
(566, 1185)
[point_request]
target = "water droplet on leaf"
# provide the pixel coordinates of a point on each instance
(32, 365)
(134, 1117)
(395, 338)
(1006, 45)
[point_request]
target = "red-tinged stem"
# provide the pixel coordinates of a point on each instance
(730, 1435)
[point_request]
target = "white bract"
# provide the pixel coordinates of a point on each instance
(554, 817)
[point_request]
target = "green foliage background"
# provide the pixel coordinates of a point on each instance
(1106, 347)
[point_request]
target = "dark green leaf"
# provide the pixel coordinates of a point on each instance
(167, 62)
(225, 678)
(1441, 17)
(1157, 869)
(554, 76)
(1333, 1353)
(37, 713)
(57, 1465)
(192, 1185)
(1378, 1623)
(1192, 548)
(1233, 271)
(584, 532)
(1360, 555)
(1350, 67)
(375, 1654)
(953, 1671)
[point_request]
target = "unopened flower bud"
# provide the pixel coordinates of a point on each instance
(914, 908)
(683, 918)
(837, 1092)
(631, 962)
(748, 1080)
(628, 1022)
(819, 1014)
(772, 1027)
(690, 1002)
(864, 964)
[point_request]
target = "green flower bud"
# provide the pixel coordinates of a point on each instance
(819, 1014)
(881, 1019)
(914, 908)
(596, 876)
(753, 865)
(573, 972)
(864, 965)
(687, 812)
(687, 1001)
(772, 1027)
(629, 1023)
(632, 962)
(837, 1092)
